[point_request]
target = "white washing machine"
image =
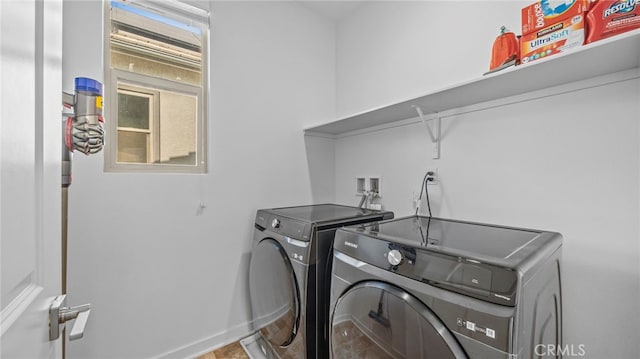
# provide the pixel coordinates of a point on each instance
(422, 287)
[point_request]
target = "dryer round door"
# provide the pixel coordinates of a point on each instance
(378, 320)
(274, 293)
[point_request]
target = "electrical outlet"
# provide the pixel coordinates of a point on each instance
(433, 179)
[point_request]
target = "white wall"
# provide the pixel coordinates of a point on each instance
(393, 50)
(163, 280)
(166, 282)
(567, 163)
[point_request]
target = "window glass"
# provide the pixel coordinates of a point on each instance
(178, 128)
(155, 45)
(157, 79)
(133, 111)
(133, 146)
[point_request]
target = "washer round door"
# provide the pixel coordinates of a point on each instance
(378, 320)
(275, 301)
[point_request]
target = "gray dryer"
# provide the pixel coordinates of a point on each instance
(289, 272)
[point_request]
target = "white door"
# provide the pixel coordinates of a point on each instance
(30, 152)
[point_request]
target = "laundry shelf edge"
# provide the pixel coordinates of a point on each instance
(600, 58)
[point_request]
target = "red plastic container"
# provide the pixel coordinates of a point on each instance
(612, 17)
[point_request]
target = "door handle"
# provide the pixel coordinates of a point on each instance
(59, 314)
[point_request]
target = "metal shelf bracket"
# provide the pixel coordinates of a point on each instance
(432, 129)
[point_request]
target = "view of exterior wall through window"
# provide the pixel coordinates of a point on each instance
(156, 92)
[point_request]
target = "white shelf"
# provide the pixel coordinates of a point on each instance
(600, 58)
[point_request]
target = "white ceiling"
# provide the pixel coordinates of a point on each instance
(333, 9)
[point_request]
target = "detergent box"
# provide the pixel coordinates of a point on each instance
(545, 13)
(612, 17)
(561, 37)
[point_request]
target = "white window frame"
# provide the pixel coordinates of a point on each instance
(154, 118)
(131, 79)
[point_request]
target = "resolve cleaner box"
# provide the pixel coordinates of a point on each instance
(545, 13)
(560, 37)
(612, 17)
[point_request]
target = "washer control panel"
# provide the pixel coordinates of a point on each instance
(287, 227)
(471, 277)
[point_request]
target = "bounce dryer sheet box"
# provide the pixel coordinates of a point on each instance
(612, 17)
(544, 13)
(561, 37)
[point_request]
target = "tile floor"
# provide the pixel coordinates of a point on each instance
(231, 351)
(352, 344)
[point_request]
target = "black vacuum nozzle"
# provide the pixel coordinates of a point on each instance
(379, 317)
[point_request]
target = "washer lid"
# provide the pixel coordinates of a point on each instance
(331, 215)
(488, 243)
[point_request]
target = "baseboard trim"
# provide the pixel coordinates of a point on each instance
(211, 343)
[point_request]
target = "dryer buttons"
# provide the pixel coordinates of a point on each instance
(275, 223)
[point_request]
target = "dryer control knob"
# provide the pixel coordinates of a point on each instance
(394, 257)
(275, 223)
